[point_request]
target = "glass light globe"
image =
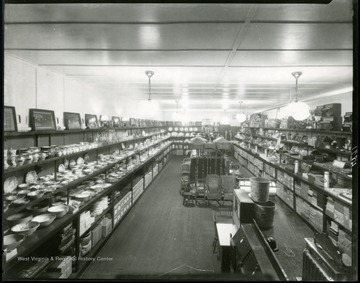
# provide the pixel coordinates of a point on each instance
(176, 116)
(225, 120)
(283, 112)
(298, 110)
(240, 117)
(149, 108)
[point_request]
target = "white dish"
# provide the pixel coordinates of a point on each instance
(44, 219)
(31, 177)
(61, 168)
(25, 228)
(80, 161)
(10, 184)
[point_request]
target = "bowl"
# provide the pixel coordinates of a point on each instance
(23, 186)
(58, 210)
(25, 228)
(17, 218)
(39, 208)
(11, 241)
(44, 219)
(20, 202)
(35, 194)
(23, 193)
(83, 196)
(85, 239)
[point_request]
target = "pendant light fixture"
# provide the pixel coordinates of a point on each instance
(149, 74)
(297, 109)
(149, 108)
(241, 117)
(177, 115)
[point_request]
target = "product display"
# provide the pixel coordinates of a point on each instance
(135, 134)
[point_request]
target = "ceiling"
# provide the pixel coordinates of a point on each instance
(211, 55)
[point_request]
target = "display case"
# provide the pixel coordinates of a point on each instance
(89, 172)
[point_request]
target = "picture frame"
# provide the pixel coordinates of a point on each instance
(72, 120)
(10, 123)
(116, 121)
(105, 121)
(91, 121)
(42, 120)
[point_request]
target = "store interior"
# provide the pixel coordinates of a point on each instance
(180, 92)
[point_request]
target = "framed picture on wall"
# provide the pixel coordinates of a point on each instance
(41, 120)
(72, 121)
(10, 124)
(116, 121)
(91, 121)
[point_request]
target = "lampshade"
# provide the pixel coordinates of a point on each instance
(225, 120)
(298, 110)
(240, 117)
(149, 108)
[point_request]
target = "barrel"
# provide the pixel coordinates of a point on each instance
(259, 189)
(264, 214)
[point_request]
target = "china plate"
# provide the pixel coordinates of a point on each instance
(66, 163)
(31, 177)
(86, 157)
(176, 129)
(181, 129)
(61, 168)
(72, 163)
(170, 129)
(80, 161)
(10, 184)
(186, 129)
(195, 129)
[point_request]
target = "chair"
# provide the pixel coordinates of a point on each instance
(213, 188)
(185, 177)
(185, 168)
(228, 185)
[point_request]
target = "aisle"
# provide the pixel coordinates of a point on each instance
(158, 236)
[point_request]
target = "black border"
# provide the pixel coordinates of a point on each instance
(113, 119)
(89, 116)
(66, 122)
(14, 118)
(32, 121)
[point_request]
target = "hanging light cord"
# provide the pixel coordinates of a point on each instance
(149, 88)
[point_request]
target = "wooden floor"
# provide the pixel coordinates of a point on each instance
(162, 239)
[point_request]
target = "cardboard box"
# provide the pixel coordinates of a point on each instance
(106, 227)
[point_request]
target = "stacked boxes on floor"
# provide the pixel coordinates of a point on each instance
(148, 178)
(106, 225)
(96, 234)
(86, 220)
(285, 194)
(138, 189)
(311, 214)
(339, 212)
(155, 170)
(122, 206)
(285, 179)
(59, 269)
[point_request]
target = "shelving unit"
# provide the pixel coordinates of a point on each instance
(34, 242)
(303, 195)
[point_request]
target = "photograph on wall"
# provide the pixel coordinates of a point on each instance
(72, 120)
(91, 121)
(42, 119)
(116, 121)
(10, 124)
